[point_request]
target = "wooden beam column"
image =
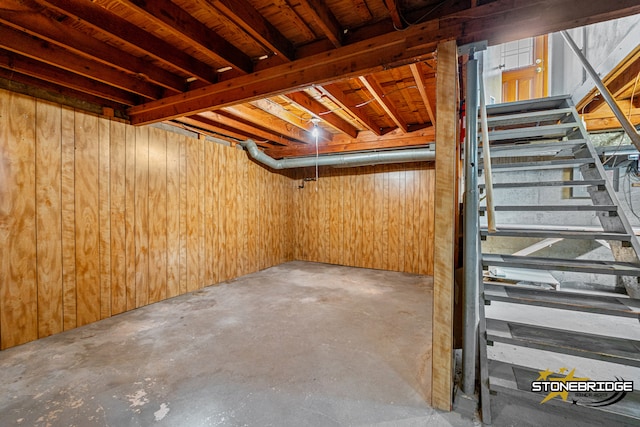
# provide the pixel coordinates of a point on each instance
(446, 204)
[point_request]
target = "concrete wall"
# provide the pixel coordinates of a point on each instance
(604, 44)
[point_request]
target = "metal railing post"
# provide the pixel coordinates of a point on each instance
(471, 261)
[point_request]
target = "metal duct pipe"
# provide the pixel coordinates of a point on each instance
(353, 159)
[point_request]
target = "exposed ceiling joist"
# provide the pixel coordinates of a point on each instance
(395, 13)
(278, 126)
(323, 17)
(189, 29)
(378, 94)
(418, 76)
(25, 45)
(235, 60)
(316, 109)
(131, 35)
(37, 24)
(243, 14)
(338, 97)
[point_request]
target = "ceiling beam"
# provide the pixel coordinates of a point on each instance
(604, 119)
(246, 17)
(497, 21)
(292, 16)
(337, 96)
(324, 18)
(187, 28)
(348, 61)
(362, 10)
(394, 12)
(378, 94)
(36, 23)
(317, 109)
(132, 36)
(618, 85)
(23, 44)
(418, 76)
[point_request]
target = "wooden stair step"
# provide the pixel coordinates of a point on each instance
(615, 305)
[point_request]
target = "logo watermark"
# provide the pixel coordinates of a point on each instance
(580, 390)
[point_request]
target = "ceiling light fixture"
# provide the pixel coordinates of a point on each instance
(223, 69)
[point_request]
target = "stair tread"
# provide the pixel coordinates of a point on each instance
(545, 131)
(541, 145)
(528, 117)
(598, 347)
(565, 234)
(552, 102)
(576, 301)
(552, 208)
(540, 164)
(516, 380)
(560, 264)
(569, 183)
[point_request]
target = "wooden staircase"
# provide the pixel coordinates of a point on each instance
(550, 184)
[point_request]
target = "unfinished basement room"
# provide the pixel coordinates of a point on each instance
(319, 213)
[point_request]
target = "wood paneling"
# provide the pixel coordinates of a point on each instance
(87, 219)
(141, 225)
(374, 217)
(68, 219)
(48, 216)
(124, 217)
(117, 170)
(157, 215)
(18, 293)
(104, 214)
(98, 217)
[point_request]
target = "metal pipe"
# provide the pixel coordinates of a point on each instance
(471, 262)
(352, 159)
(604, 91)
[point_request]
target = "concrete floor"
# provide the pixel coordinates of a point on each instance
(300, 344)
(297, 344)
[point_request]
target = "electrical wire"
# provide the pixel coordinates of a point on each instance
(631, 169)
(419, 20)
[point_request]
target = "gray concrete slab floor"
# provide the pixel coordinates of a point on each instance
(300, 344)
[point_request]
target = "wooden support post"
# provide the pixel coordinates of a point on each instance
(445, 223)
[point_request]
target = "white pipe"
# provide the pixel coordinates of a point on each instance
(352, 159)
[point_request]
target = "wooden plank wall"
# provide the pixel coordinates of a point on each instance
(374, 217)
(98, 217)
